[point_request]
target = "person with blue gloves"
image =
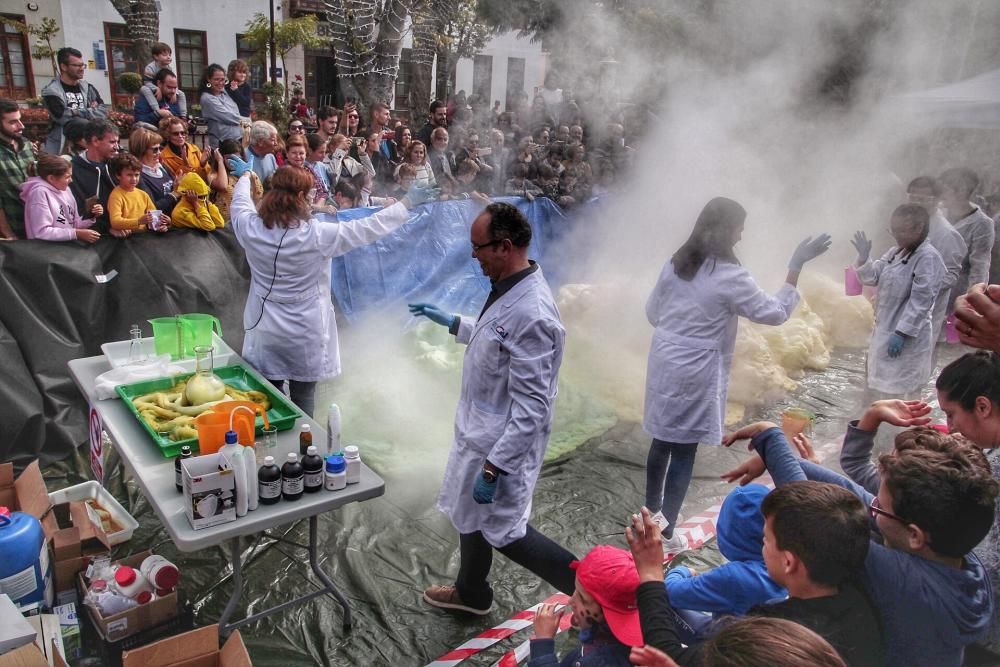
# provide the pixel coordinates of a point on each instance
(291, 328)
(695, 308)
(909, 277)
(504, 416)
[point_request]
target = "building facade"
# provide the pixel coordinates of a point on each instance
(203, 33)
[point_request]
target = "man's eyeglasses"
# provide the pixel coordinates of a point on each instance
(480, 246)
(875, 510)
(181, 133)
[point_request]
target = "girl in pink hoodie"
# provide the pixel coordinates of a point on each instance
(50, 212)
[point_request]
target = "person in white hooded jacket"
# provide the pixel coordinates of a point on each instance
(50, 212)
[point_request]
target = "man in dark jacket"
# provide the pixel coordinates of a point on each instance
(92, 181)
(70, 97)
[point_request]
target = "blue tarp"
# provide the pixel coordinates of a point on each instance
(429, 258)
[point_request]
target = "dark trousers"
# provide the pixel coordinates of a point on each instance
(534, 552)
(303, 394)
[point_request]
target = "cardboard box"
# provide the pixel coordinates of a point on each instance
(15, 631)
(127, 623)
(209, 491)
(198, 648)
(69, 626)
(48, 637)
(75, 541)
(28, 494)
(31, 656)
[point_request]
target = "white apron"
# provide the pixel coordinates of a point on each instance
(291, 330)
(687, 376)
(509, 380)
(907, 290)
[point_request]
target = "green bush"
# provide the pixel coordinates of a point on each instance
(130, 82)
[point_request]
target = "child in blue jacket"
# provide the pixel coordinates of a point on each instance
(736, 586)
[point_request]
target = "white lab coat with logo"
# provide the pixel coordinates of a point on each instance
(907, 289)
(296, 336)
(509, 379)
(687, 376)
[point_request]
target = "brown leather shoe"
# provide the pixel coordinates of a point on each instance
(446, 597)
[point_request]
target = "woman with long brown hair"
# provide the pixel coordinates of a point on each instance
(695, 306)
(291, 330)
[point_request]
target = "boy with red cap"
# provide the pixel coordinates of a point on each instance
(604, 608)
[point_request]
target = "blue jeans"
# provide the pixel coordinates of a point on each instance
(303, 394)
(669, 467)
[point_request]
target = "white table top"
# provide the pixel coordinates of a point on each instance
(155, 473)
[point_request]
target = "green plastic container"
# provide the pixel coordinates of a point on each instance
(282, 414)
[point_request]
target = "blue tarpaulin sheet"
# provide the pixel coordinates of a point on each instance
(430, 259)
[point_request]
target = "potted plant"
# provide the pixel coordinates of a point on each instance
(131, 83)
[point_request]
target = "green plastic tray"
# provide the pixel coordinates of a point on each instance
(281, 415)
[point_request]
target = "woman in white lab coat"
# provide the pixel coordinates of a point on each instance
(695, 308)
(909, 278)
(291, 331)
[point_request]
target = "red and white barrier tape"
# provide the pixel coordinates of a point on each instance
(699, 530)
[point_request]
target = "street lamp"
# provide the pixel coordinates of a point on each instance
(270, 46)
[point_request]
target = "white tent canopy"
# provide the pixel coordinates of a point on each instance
(973, 103)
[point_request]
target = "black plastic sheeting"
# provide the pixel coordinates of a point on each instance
(383, 552)
(55, 310)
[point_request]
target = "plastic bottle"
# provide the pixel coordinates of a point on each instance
(312, 468)
(305, 439)
(178, 470)
(336, 475)
(160, 572)
(21, 567)
(232, 452)
(250, 472)
(292, 478)
(108, 601)
(269, 482)
(353, 459)
(333, 429)
(130, 583)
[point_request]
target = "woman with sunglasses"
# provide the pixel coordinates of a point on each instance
(218, 108)
(291, 328)
(155, 180)
(179, 155)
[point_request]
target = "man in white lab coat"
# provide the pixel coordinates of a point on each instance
(504, 416)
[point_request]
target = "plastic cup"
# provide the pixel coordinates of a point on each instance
(155, 224)
(196, 329)
(167, 336)
(852, 284)
(795, 421)
(950, 332)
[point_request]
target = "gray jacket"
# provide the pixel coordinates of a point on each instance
(54, 89)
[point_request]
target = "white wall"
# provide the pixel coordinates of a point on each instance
(83, 23)
(502, 47)
(41, 69)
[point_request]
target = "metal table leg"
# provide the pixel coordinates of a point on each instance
(328, 587)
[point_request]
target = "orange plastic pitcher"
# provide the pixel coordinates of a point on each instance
(212, 425)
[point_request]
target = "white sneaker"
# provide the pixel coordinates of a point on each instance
(660, 520)
(675, 544)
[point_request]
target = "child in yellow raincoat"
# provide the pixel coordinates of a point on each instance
(194, 210)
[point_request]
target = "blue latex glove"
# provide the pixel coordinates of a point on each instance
(809, 249)
(896, 341)
(418, 194)
(483, 491)
(238, 165)
(433, 313)
(863, 246)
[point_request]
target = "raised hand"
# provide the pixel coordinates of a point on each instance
(863, 246)
(644, 541)
(746, 472)
(808, 250)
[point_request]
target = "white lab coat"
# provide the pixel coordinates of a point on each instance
(951, 246)
(509, 378)
(687, 376)
(978, 231)
(907, 288)
(296, 336)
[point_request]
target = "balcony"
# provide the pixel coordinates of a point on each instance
(297, 8)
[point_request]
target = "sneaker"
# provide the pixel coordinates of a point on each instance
(446, 597)
(675, 544)
(660, 520)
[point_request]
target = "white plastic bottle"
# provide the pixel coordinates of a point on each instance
(130, 583)
(160, 572)
(333, 430)
(231, 452)
(250, 472)
(353, 459)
